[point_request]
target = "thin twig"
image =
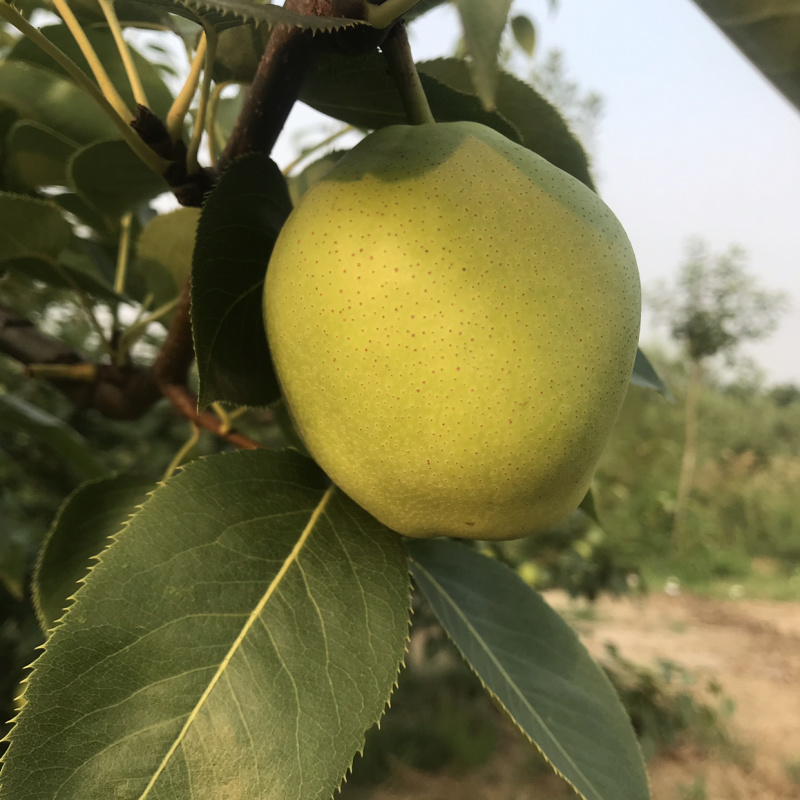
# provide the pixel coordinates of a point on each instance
(211, 118)
(182, 103)
(134, 80)
(182, 452)
(95, 64)
(148, 156)
(123, 252)
(84, 373)
(192, 164)
(318, 146)
(185, 403)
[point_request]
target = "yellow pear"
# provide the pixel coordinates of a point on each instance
(453, 321)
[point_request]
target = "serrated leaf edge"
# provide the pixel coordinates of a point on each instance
(254, 615)
(270, 15)
(388, 704)
(37, 603)
(508, 713)
(32, 200)
(96, 559)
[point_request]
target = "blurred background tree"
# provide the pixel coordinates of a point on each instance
(714, 308)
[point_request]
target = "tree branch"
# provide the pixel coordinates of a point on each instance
(185, 403)
(290, 55)
(171, 370)
(121, 393)
(172, 364)
(117, 392)
(127, 392)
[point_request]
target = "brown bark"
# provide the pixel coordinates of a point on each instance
(124, 393)
(291, 53)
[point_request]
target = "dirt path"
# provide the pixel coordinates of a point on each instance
(753, 649)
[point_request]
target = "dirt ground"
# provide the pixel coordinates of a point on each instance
(751, 647)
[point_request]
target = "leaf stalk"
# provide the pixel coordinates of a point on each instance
(397, 51)
(149, 157)
(125, 52)
(385, 14)
(95, 65)
(192, 164)
(182, 103)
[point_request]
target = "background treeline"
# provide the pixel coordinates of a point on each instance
(744, 500)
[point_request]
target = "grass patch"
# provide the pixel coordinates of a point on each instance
(792, 768)
(695, 790)
(781, 586)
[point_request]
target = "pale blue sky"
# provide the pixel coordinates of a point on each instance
(693, 141)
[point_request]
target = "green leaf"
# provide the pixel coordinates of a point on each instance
(13, 563)
(235, 640)
(238, 227)
(31, 228)
(359, 91)
(540, 126)
(38, 155)
(535, 665)
(7, 119)
(483, 22)
(238, 52)
(40, 95)
(767, 33)
(17, 414)
(77, 275)
(159, 96)
(164, 253)
(87, 518)
(589, 508)
(227, 13)
(220, 21)
(111, 177)
(645, 375)
(524, 33)
(88, 214)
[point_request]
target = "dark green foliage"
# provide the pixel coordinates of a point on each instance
(235, 236)
(241, 628)
(769, 37)
(244, 595)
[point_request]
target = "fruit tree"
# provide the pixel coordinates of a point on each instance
(377, 354)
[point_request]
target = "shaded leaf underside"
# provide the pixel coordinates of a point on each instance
(535, 665)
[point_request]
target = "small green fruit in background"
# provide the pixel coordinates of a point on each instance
(453, 321)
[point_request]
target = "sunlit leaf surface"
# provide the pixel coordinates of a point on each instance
(235, 641)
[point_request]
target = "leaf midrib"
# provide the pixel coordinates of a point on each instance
(507, 677)
(251, 620)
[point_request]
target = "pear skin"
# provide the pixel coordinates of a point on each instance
(453, 321)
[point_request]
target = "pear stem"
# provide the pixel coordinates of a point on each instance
(400, 60)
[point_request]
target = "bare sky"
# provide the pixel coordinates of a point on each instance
(693, 141)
